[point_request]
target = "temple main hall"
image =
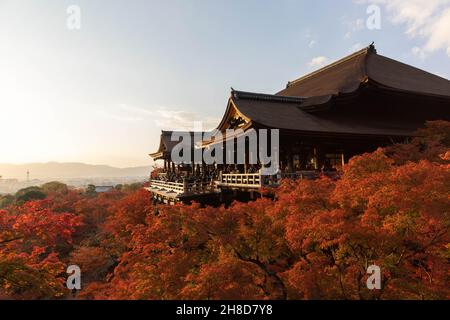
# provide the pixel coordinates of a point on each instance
(352, 106)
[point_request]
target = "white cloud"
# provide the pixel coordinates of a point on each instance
(358, 24)
(419, 52)
(163, 117)
(353, 26)
(438, 32)
(427, 20)
(318, 62)
(183, 120)
(311, 38)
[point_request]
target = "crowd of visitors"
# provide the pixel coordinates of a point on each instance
(212, 174)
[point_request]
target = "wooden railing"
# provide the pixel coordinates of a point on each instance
(182, 188)
(256, 180)
(199, 187)
(167, 186)
(232, 180)
(305, 174)
(249, 180)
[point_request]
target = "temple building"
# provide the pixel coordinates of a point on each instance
(349, 107)
(164, 153)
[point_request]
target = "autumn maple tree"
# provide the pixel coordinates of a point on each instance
(313, 239)
(32, 237)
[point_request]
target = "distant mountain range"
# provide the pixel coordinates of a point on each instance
(66, 170)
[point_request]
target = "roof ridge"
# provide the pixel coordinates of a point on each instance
(366, 50)
(264, 96)
(167, 132)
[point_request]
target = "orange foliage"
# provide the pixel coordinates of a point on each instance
(32, 237)
(314, 241)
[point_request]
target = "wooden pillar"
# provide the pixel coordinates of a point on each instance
(252, 157)
(246, 157)
(165, 165)
(193, 158)
(304, 157)
(316, 159)
(290, 162)
(320, 157)
(245, 161)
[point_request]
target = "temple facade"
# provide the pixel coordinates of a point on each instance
(354, 105)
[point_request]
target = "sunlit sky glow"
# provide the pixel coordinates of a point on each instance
(102, 94)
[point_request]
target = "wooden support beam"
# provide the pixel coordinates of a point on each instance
(290, 162)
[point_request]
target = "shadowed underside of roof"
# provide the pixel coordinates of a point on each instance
(166, 144)
(290, 115)
(347, 74)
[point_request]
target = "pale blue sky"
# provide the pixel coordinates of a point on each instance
(103, 93)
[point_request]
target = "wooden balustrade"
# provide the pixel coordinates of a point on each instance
(305, 174)
(182, 188)
(250, 180)
(231, 180)
(167, 186)
(198, 187)
(256, 180)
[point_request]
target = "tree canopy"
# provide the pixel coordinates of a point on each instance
(315, 240)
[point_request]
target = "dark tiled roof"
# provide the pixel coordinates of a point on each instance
(364, 66)
(264, 97)
(291, 116)
(166, 144)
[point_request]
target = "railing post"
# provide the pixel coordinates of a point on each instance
(260, 178)
(185, 185)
